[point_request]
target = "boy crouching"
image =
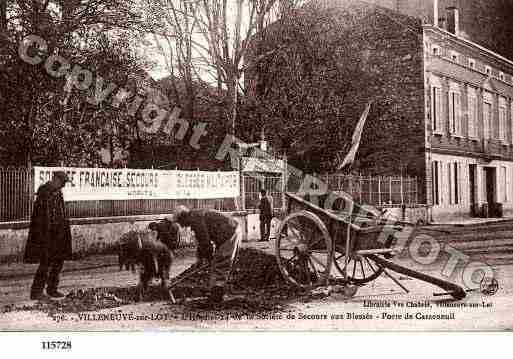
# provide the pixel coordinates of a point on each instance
(152, 257)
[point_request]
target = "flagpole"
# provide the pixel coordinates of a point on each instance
(348, 161)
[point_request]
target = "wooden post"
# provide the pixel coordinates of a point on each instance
(243, 191)
(391, 201)
(238, 204)
(416, 191)
(348, 240)
(370, 190)
(379, 190)
(284, 184)
(361, 188)
(402, 189)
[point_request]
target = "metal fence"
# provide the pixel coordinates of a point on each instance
(17, 195)
(251, 186)
(377, 191)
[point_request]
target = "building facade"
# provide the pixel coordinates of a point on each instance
(469, 119)
(449, 106)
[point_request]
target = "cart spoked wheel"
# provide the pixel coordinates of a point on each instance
(360, 269)
(303, 249)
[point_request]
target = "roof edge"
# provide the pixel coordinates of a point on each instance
(469, 43)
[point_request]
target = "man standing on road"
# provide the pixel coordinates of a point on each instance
(266, 215)
(218, 237)
(49, 240)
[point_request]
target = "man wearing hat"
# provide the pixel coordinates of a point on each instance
(49, 240)
(218, 237)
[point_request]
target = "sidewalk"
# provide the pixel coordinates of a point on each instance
(465, 222)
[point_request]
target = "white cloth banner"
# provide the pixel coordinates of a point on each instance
(89, 184)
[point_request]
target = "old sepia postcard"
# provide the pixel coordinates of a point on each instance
(276, 165)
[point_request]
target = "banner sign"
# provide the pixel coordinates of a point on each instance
(92, 184)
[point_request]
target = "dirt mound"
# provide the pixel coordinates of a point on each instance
(255, 269)
(255, 274)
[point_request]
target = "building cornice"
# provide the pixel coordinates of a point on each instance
(472, 45)
(476, 85)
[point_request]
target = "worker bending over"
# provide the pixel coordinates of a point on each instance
(218, 237)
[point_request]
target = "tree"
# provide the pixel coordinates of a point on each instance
(227, 27)
(40, 119)
(173, 31)
(311, 80)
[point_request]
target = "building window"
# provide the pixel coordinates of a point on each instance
(504, 188)
(511, 121)
(435, 50)
(488, 70)
(472, 63)
(450, 182)
(436, 109)
(487, 116)
(454, 56)
(501, 76)
(456, 185)
(472, 113)
(454, 112)
(503, 113)
(435, 181)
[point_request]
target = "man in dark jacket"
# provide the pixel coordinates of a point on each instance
(167, 232)
(49, 240)
(266, 216)
(218, 237)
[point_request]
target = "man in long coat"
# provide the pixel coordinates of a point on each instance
(49, 240)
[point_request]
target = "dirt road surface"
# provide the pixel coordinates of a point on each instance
(380, 305)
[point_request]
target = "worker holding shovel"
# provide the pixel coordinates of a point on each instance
(218, 237)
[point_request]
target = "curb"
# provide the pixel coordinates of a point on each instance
(463, 224)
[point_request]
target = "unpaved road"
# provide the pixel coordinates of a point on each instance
(381, 305)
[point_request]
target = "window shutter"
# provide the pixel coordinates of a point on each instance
(451, 112)
(434, 111)
(449, 178)
(457, 112)
(441, 182)
(474, 116)
(500, 124)
(471, 125)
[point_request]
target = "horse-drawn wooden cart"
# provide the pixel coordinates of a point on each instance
(329, 237)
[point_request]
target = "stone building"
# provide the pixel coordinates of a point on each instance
(449, 99)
